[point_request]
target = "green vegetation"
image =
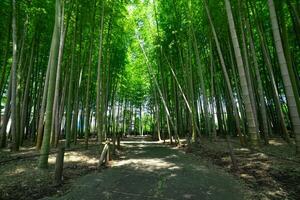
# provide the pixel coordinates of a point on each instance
(182, 71)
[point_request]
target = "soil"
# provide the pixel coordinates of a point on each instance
(20, 179)
(273, 171)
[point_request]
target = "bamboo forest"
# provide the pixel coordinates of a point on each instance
(150, 99)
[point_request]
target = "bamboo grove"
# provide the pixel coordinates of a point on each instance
(75, 69)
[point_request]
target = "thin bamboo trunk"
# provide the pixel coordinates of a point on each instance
(14, 133)
(99, 115)
(42, 111)
(70, 98)
(26, 95)
(63, 31)
(250, 118)
(43, 160)
(7, 112)
(260, 89)
(227, 80)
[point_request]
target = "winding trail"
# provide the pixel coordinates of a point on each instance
(150, 170)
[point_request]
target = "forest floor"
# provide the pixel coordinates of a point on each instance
(21, 179)
(273, 171)
(151, 170)
(166, 172)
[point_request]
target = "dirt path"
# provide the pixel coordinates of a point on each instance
(150, 170)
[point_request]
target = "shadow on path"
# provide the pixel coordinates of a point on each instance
(150, 170)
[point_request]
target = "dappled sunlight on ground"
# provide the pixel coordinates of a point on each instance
(72, 157)
(139, 142)
(20, 177)
(15, 171)
(276, 142)
(136, 152)
(159, 170)
(200, 168)
(172, 156)
(149, 165)
(272, 171)
(169, 141)
(151, 170)
(242, 149)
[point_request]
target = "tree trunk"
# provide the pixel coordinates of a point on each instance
(40, 130)
(252, 129)
(70, 98)
(14, 133)
(262, 103)
(291, 92)
(99, 115)
(63, 30)
(43, 160)
(227, 80)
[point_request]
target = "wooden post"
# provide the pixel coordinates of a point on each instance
(103, 154)
(118, 141)
(59, 165)
(107, 155)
